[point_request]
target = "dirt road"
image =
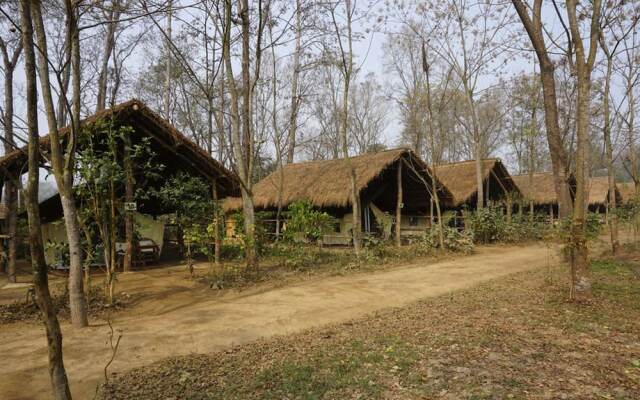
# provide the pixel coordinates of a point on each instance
(184, 318)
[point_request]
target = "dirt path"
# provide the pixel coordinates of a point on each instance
(186, 319)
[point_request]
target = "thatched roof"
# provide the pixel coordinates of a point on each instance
(324, 183)
(627, 191)
(542, 191)
(599, 190)
(182, 151)
(460, 177)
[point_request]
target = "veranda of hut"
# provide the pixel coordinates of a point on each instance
(380, 178)
(460, 179)
(172, 150)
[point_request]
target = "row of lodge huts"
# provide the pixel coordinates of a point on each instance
(388, 182)
(387, 176)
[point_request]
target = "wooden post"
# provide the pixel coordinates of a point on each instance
(551, 212)
(216, 224)
(129, 197)
(399, 205)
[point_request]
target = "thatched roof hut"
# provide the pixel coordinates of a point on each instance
(627, 192)
(326, 183)
(599, 191)
(541, 190)
(460, 179)
(173, 149)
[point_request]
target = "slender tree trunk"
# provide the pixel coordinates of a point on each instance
(129, 225)
(347, 71)
(435, 158)
(295, 101)
(63, 163)
(63, 111)
(109, 44)
(242, 149)
(581, 285)
(168, 71)
(533, 26)
(11, 184)
(57, 371)
(612, 214)
(479, 180)
(399, 205)
(216, 225)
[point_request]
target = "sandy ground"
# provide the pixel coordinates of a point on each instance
(175, 316)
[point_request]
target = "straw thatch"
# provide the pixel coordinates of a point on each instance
(541, 192)
(460, 178)
(599, 191)
(146, 122)
(627, 192)
(324, 183)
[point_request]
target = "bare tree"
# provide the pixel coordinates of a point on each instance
(616, 30)
(242, 134)
(584, 62)
(471, 38)
(57, 371)
(368, 116)
(11, 49)
(63, 161)
(344, 37)
(533, 24)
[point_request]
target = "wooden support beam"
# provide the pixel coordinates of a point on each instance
(399, 206)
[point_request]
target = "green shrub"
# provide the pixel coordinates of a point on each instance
(231, 251)
(487, 224)
(307, 223)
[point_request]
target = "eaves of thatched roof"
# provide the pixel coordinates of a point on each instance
(324, 183)
(142, 119)
(460, 177)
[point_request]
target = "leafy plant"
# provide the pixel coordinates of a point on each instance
(307, 223)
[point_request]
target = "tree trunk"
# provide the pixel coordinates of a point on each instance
(11, 184)
(168, 71)
(249, 229)
(559, 165)
(216, 225)
(612, 214)
(479, 180)
(581, 285)
(399, 205)
(129, 226)
(63, 162)
(114, 16)
(435, 158)
(57, 371)
(295, 101)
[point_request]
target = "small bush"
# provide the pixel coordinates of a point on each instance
(307, 223)
(232, 251)
(487, 224)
